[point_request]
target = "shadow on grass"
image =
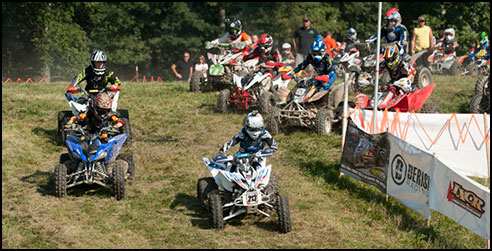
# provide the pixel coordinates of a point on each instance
(464, 107)
(51, 135)
(199, 215)
(46, 186)
(409, 223)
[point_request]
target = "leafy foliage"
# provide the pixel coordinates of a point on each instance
(154, 35)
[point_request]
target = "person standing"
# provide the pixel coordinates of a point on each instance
(306, 35)
(183, 68)
(330, 43)
(422, 37)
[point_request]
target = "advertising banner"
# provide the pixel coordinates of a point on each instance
(458, 140)
(365, 156)
(461, 199)
(409, 175)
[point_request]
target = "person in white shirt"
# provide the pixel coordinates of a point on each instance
(202, 66)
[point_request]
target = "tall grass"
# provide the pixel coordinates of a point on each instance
(173, 130)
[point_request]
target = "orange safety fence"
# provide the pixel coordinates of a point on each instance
(144, 79)
(396, 126)
(19, 80)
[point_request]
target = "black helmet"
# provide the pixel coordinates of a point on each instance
(234, 27)
(98, 56)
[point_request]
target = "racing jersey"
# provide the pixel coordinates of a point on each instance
(404, 70)
(399, 34)
(243, 37)
(322, 67)
(95, 82)
(247, 143)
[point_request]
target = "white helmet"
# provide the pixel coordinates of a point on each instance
(286, 46)
(253, 124)
(449, 33)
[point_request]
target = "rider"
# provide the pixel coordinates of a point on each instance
(98, 116)
(265, 53)
(252, 138)
(394, 31)
(397, 68)
(236, 36)
(322, 63)
(96, 75)
(350, 41)
(482, 47)
(287, 56)
(449, 43)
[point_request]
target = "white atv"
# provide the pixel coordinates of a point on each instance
(225, 63)
(238, 188)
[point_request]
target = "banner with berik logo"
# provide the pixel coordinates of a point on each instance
(409, 175)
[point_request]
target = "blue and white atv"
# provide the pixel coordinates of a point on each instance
(76, 108)
(90, 161)
(239, 185)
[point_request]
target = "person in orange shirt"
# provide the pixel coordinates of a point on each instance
(330, 43)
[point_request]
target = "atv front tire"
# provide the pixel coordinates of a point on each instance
(324, 121)
(423, 77)
(481, 84)
(118, 181)
(267, 101)
(283, 214)
(216, 216)
(480, 103)
(274, 121)
(60, 180)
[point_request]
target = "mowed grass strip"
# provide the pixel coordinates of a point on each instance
(173, 130)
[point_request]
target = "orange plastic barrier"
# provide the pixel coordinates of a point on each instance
(29, 80)
(396, 126)
(7, 80)
(43, 79)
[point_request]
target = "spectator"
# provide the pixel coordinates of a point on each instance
(201, 66)
(422, 37)
(330, 43)
(306, 35)
(254, 40)
(183, 68)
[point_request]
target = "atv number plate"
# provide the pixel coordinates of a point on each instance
(216, 70)
(252, 198)
(300, 91)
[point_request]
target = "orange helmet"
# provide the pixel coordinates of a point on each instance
(103, 104)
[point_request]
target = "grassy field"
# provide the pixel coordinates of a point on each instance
(172, 130)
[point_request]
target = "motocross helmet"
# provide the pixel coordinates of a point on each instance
(351, 34)
(286, 48)
(318, 50)
(103, 104)
(234, 27)
(449, 33)
(392, 56)
(483, 35)
(253, 124)
(98, 56)
(393, 14)
(265, 43)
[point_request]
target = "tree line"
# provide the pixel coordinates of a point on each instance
(48, 39)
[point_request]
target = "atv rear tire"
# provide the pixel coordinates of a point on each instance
(222, 100)
(196, 81)
(472, 70)
(118, 181)
(324, 120)
(216, 216)
(283, 214)
(267, 101)
(430, 108)
(203, 187)
(274, 121)
(423, 77)
(480, 103)
(481, 84)
(455, 69)
(63, 118)
(60, 180)
(130, 173)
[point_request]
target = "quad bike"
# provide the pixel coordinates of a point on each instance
(443, 63)
(308, 107)
(343, 59)
(224, 65)
(395, 96)
(91, 161)
(475, 67)
(77, 108)
(238, 186)
(258, 89)
(480, 102)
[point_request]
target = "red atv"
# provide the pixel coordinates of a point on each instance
(400, 95)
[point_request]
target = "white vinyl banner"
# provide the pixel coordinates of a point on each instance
(409, 175)
(461, 199)
(458, 140)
